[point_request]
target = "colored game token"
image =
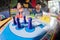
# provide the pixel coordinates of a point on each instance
(14, 21)
(30, 28)
(18, 23)
(20, 15)
(30, 23)
(25, 19)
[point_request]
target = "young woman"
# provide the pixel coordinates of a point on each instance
(21, 11)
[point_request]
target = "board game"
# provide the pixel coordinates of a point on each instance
(28, 28)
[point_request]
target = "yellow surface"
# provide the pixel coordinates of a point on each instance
(4, 21)
(45, 18)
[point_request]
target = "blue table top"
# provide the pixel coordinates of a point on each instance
(8, 35)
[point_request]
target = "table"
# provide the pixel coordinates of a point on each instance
(3, 23)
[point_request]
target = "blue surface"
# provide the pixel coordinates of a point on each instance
(8, 35)
(41, 25)
(29, 30)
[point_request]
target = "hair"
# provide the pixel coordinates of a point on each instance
(16, 5)
(20, 4)
(38, 3)
(21, 1)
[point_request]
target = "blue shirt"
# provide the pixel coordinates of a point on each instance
(35, 12)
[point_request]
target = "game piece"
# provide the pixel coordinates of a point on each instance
(30, 23)
(20, 15)
(25, 19)
(18, 23)
(14, 21)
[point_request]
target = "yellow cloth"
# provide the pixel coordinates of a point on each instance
(45, 18)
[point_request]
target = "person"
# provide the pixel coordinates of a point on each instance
(37, 10)
(22, 11)
(27, 4)
(19, 7)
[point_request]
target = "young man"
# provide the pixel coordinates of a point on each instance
(37, 10)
